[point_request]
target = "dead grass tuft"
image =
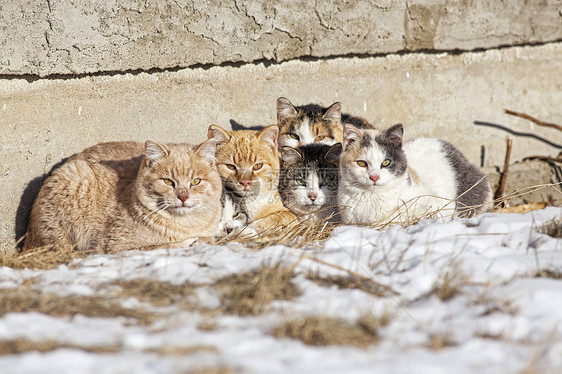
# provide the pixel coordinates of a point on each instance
(22, 345)
(549, 273)
(486, 334)
(16, 346)
(207, 326)
(182, 351)
(214, 370)
(493, 304)
(324, 331)
(42, 258)
(449, 285)
(298, 234)
(553, 229)
(250, 293)
(440, 341)
(348, 282)
(26, 300)
(155, 292)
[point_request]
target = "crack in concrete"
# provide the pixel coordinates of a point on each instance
(267, 62)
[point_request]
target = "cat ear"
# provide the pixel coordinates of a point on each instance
(334, 153)
(284, 109)
(291, 155)
(207, 149)
(351, 134)
(268, 136)
(154, 151)
(333, 113)
(394, 134)
(217, 133)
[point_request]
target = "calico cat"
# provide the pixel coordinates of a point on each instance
(383, 180)
(309, 179)
(312, 123)
(248, 163)
(234, 216)
(128, 195)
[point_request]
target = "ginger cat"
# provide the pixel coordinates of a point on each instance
(128, 195)
(248, 163)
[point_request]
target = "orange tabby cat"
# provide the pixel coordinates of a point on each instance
(248, 163)
(128, 195)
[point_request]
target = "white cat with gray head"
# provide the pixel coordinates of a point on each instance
(383, 180)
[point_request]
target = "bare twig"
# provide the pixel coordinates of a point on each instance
(543, 158)
(533, 119)
(503, 177)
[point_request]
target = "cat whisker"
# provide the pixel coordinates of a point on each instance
(160, 207)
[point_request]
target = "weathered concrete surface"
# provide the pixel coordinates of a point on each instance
(529, 181)
(52, 37)
(437, 95)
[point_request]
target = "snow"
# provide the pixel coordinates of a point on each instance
(503, 319)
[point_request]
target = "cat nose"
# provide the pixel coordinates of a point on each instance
(245, 183)
(312, 196)
(229, 229)
(374, 178)
(183, 196)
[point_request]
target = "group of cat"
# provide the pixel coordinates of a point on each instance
(316, 163)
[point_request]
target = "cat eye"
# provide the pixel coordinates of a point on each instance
(257, 166)
(230, 166)
(385, 163)
(236, 215)
(168, 182)
(196, 181)
(361, 163)
(319, 138)
(294, 136)
(300, 182)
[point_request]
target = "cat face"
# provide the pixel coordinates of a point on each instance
(308, 125)
(233, 219)
(247, 160)
(371, 158)
(178, 179)
(309, 178)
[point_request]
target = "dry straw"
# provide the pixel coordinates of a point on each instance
(306, 231)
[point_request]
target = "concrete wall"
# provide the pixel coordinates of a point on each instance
(72, 74)
(49, 37)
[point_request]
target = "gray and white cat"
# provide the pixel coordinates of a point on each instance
(309, 179)
(384, 180)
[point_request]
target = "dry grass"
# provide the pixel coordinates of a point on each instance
(449, 285)
(42, 258)
(324, 331)
(348, 282)
(155, 292)
(440, 341)
(213, 370)
(182, 350)
(487, 334)
(22, 345)
(207, 326)
(300, 233)
(16, 346)
(250, 293)
(549, 273)
(24, 300)
(553, 229)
